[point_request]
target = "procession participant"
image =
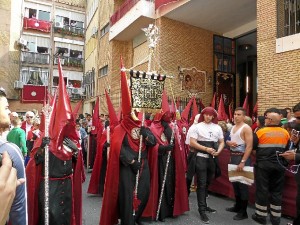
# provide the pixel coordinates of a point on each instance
(269, 174)
(119, 199)
(65, 168)
(295, 155)
(192, 156)
(240, 143)
(97, 181)
(207, 139)
(174, 200)
(183, 125)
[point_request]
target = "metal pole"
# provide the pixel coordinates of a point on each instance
(47, 112)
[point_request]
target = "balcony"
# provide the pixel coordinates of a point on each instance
(128, 20)
(35, 58)
(74, 93)
(35, 24)
(68, 30)
(70, 62)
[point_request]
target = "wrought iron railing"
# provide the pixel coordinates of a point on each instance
(70, 30)
(288, 17)
(70, 62)
(35, 58)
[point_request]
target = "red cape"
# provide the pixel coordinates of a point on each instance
(95, 177)
(183, 127)
(181, 203)
(33, 178)
(109, 210)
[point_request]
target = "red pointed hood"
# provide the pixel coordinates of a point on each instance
(113, 119)
(230, 109)
(255, 110)
(246, 105)
(126, 100)
(164, 107)
(213, 101)
(185, 113)
(76, 109)
(96, 123)
(61, 121)
(195, 108)
(221, 110)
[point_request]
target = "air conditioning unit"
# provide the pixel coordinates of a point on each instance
(77, 91)
(94, 32)
(59, 24)
(22, 42)
(18, 84)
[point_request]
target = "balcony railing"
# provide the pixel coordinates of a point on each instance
(74, 93)
(35, 24)
(70, 62)
(124, 8)
(69, 30)
(159, 3)
(35, 58)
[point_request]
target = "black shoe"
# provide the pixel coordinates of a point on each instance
(241, 216)
(259, 219)
(204, 218)
(210, 210)
(232, 209)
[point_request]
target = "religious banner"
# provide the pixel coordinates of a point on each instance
(34, 94)
(146, 93)
(194, 80)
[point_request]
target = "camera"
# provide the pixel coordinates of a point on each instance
(0, 159)
(295, 133)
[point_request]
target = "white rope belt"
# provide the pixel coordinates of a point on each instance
(203, 155)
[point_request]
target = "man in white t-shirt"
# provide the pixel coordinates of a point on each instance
(208, 140)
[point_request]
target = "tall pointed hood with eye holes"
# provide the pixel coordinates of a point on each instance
(165, 109)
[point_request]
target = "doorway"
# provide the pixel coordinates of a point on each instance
(246, 61)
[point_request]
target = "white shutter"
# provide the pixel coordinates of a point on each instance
(29, 38)
(76, 47)
(61, 45)
(71, 75)
(77, 16)
(43, 42)
(61, 12)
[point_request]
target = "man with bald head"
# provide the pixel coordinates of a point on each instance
(269, 176)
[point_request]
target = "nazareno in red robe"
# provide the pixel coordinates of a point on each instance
(95, 177)
(181, 203)
(34, 177)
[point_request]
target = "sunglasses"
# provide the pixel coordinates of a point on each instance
(29, 117)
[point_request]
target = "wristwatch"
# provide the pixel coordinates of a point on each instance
(243, 161)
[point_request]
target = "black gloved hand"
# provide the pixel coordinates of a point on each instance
(106, 145)
(166, 148)
(135, 166)
(143, 131)
(164, 124)
(69, 143)
(45, 141)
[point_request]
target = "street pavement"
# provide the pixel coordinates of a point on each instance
(92, 206)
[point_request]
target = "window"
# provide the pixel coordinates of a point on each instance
(224, 54)
(34, 76)
(103, 71)
(32, 12)
(43, 15)
(288, 17)
(104, 30)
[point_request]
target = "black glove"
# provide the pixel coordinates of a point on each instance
(135, 166)
(45, 141)
(164, 124)
(69, 143)
(143, 131)
(106, 145)
(166, 148)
